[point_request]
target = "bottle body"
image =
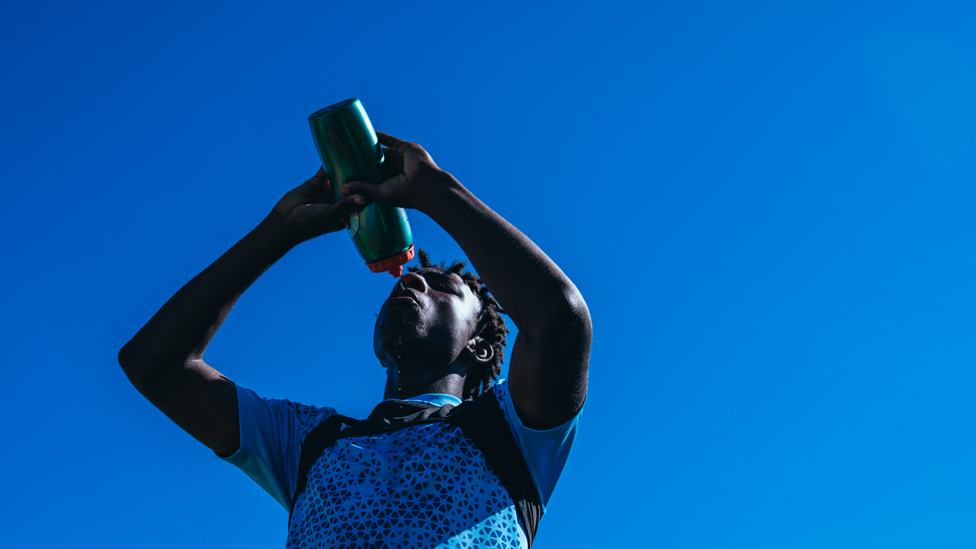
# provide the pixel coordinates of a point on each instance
(350, 151)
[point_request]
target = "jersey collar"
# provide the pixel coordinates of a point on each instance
(435, 399)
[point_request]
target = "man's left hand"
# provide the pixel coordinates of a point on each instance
(414, 187)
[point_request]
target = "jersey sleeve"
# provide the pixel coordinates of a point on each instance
(272, 433)
(545, 452)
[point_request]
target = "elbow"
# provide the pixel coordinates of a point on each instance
(134, 362)
(125, 356)
(568, 317)
(579, 315)
(128, 360)
(143, 363)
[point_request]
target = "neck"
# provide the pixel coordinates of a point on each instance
(404, 383)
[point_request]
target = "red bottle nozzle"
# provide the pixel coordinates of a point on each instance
(394, 265)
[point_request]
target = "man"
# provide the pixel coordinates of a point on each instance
(447, 460)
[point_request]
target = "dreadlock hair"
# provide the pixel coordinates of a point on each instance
(491, 326)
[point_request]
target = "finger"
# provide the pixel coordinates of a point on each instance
(349, 204)
(391, 142)
(320, 219)
(335, 213)
(393, 154)
(320, 182)
(371, 191)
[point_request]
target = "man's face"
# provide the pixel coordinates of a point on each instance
(427, 321)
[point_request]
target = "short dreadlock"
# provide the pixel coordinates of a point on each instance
(491, 325)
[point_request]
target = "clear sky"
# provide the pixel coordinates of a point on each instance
(768, 206)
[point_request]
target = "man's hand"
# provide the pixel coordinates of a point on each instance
(413, 187)
(310, 209)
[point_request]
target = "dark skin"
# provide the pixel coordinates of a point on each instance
(424, 333)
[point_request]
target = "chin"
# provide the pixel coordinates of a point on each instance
(394, 330)
(408, 348)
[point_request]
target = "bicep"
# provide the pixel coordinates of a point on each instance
(549, 368)
(201, 400)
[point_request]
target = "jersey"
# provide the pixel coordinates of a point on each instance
(421, 486)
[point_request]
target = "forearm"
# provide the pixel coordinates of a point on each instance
(181, 330)
(535, 293)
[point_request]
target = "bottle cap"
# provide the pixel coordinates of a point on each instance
(394, 265)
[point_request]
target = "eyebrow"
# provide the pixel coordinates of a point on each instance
(441, 276)
(455, 281)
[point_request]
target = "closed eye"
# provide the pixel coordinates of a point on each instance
(442, 284)
(446, 288)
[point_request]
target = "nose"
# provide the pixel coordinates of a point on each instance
(414, 281)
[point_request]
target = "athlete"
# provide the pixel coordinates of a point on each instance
(453, 457)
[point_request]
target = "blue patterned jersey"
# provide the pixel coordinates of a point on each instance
(421, 486)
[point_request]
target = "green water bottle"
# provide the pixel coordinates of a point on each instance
(350, 151)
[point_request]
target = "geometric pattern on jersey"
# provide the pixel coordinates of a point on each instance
(420, 486)
(274, 433)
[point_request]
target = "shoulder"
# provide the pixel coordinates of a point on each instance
(504, 397)
(545, 451)
(281, 414)
(309, 417)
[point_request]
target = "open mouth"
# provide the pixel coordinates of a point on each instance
(402, 297)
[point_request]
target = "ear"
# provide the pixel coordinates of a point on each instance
(480, 350)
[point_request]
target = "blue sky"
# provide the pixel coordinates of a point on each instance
(768, 207)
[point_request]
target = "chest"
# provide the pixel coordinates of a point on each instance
(427, 462)
(423, 482)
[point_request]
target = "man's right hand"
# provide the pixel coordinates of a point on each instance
(310, 209)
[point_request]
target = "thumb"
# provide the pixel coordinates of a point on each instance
(325, 218)
(372, 191)
(347, 205)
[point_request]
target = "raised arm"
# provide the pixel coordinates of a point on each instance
(164, 360)
(549, 361)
